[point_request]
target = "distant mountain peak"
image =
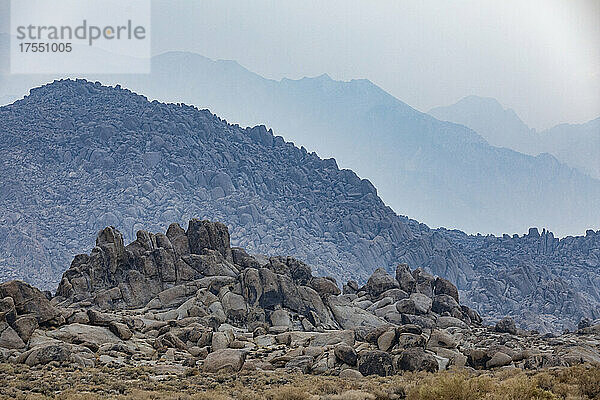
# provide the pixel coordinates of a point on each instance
(479, 104)
(480, 100)
(500, 126)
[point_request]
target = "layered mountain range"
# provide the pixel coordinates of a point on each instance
(78, 156)
(440, 173)
(577, 145)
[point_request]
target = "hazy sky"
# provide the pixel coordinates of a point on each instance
(539, 57)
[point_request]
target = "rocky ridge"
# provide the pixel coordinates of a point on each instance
(187, 299)
(77, 151)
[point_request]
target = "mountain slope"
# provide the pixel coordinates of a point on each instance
(438, 172)
(79, 156)
(499, 126)
(577, 145)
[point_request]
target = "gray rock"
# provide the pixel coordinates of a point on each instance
(498, 360)
(424, 282)
(280, 318)
(440, 338)
(9, 339)
(78, 333)
(422, 303)
(346, 354)
(219, 341)
(25, 326)
(301, 364)
(443, 303)
(416, 359)
(229, 360)
(235, 306)
(406, 306)
(350, 317)
(30, 300)
(375, 362)
(506, 325)
(444, 322)
(379, 282)
(444, 286)
(405, 279)
(408, 340)
(121, 330)
(386, 340)
(325, 286)
(209, 235)
(351, 374)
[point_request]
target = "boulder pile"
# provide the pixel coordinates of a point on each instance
(72, 150)
(187, 299)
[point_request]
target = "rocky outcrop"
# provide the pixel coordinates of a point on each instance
(23, 309)
(72, 150)
(544, 283)
(186, 299)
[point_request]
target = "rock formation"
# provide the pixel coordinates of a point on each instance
(187, 299)
(79, 156)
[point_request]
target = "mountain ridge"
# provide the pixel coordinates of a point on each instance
(576, 145)
(77, 151)
(423, 168)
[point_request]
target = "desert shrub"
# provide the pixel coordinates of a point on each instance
(588, 380)
(522, 388)
(327, 387)
(288, 392)
(352, 395)
(210, 396)
(451, 386)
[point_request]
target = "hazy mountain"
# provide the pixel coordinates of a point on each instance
(441, 173)
(577, 145)
(438, 172)
(79, 156)
(499, 126)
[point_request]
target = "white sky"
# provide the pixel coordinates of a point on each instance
(539, 57)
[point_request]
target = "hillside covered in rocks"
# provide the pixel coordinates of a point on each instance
(187, 299)
(78, 156)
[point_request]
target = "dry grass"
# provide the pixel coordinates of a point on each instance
(20, 382)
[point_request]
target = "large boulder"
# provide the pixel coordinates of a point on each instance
(444, 303)
(350, 316)
(79, 333)
(346, 354)
(422, 303)
(204, 234)
(30, 300)
(9, 338)
(506, 325)
(229, 360)
(325, 286)
(375, 362)
(416, 359)
(58, 352)
(405, 279)
(379, 282)
(424, 282)
(235, 307)
(444, 286)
